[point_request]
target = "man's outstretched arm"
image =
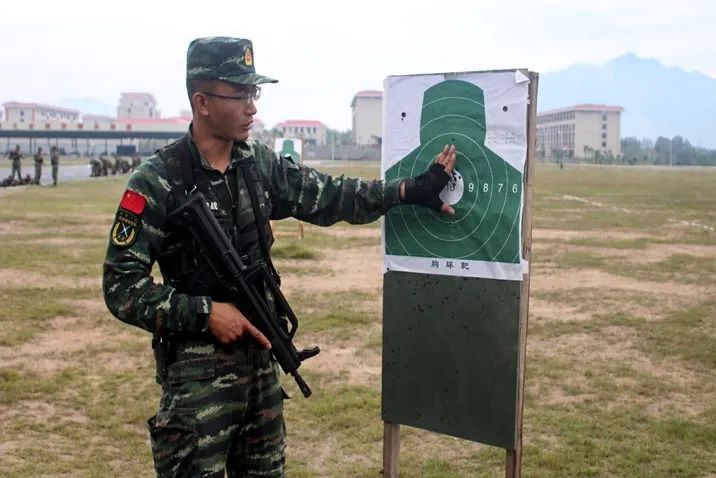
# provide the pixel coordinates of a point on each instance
(322, 199)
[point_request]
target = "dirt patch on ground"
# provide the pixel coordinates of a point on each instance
(22, 279)
(564, 234)
(342, 361)
(354, 269)
(541, 309)
(64, 242)
(71, 337)
(18, 228)
(616, 345)
(40, 411)
(545, 279)
(647, 255)
(350, 232)
(664, 251)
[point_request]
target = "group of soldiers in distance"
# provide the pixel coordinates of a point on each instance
(98, 167)
(117, 165)
(16, 157)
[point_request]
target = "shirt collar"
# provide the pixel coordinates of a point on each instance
(239, 150)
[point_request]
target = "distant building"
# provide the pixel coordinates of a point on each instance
(310, 131)
(98, 122)
(63, 127)
(580, 131)
(137, 105)
(367, 117)
(25, 116)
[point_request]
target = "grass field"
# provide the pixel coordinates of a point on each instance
(621, 361)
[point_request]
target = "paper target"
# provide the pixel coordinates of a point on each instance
(483, 238)
(290, 147)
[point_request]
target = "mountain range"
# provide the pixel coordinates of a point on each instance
(657, 100)
(89, 106)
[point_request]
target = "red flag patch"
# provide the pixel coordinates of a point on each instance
(133, 202)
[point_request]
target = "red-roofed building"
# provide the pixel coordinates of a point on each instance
(580, 131)
(367, 117)
(137, 105)
(312, 132)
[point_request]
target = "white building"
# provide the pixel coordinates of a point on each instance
(27, 116)
(367, 117)
(580, 131)
(310, 131)
(137, 105)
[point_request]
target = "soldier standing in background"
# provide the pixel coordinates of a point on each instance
(15, 156)
(39, 159)
(55, 163)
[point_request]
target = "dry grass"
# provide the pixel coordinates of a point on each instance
(621, 372)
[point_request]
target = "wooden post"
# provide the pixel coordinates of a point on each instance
(513, 468)
(298, 234)
(391, 450)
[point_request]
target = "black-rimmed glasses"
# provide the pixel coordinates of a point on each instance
(253, 94)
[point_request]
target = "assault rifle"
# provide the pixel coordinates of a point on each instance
(241, 280)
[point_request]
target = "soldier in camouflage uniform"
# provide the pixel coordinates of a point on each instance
(16, 158)
(55, 163)
(39, 159)
(221, 408)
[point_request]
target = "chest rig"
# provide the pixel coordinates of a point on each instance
(240, 204)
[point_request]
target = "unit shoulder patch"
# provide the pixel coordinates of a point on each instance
(125, 228)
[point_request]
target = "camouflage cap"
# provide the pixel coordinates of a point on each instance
(223, 58)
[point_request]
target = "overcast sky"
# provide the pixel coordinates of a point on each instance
(323, 52)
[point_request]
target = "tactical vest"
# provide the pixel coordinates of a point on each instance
(181, 260)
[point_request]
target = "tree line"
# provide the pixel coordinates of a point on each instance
(677, 151)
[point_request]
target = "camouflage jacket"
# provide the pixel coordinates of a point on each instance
(142, 235)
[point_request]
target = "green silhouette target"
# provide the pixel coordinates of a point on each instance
(482, 239)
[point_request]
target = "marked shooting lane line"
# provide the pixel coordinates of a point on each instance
(628, 211)
(693, 224)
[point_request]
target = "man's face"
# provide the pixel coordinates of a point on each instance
(230, 115)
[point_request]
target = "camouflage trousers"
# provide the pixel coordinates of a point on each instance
(221, 410)
(16, 168)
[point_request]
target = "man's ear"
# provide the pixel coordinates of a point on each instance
(200, 102)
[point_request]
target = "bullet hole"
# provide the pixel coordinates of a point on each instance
(402, 116)
(504, 108)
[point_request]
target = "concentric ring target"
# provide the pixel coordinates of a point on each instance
(488, 202)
